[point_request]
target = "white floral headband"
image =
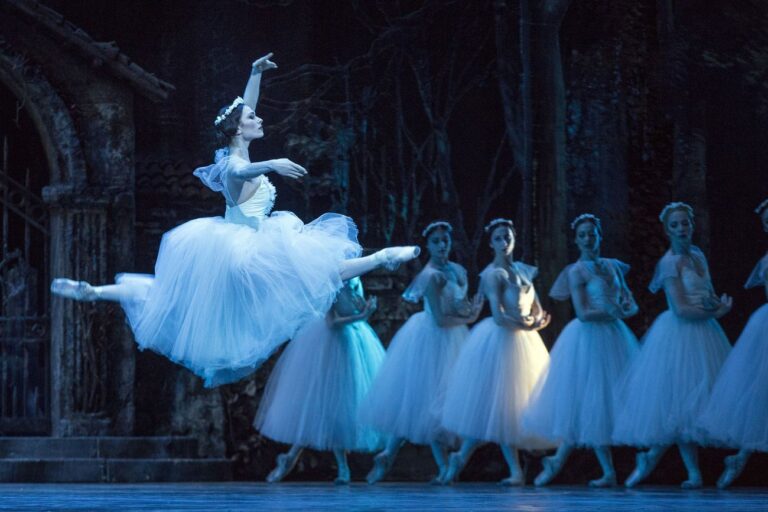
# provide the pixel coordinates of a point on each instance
(435, 225)
(586, 217)
(677, 205)
(498, 222)
(762, 206)
(220, 118)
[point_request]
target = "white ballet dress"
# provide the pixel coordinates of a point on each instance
(406, 397)
(664, 390)
(228, 291)
(313, 394)
(494, 376)
(573, 402)
(737, 412)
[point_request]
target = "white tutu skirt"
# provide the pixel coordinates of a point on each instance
(406, 397)
(225, 295)
(314, 392)
(737, 412)
(491, 383)
(573, 402)
(666, 387)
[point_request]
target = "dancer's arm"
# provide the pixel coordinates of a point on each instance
(251, 94)
(584, 311)
(281, 166)
(493, 290)
(680, 306)
(336, 320)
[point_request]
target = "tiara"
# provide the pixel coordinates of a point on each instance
(677, 205)
(238, 101)
(586, 217)
(498, 222)
(437, 224)
(762, 206)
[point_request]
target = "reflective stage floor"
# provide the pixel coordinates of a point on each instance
(388, 496)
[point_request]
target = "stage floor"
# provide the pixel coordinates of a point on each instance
(389, 496)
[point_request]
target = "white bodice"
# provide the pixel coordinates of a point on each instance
(604, 284)
(262, 201)
(453, 296)
(519, 294)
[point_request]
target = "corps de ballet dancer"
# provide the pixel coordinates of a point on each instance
(737, 413)
(227, 291)
(313, 394)
(573, 402)
(405, 399)
(503, 357)
(666, 387)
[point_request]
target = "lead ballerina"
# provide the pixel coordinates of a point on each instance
(228, 291)
(573, 401)
(737, 413)
(504, 356)
(667, 385)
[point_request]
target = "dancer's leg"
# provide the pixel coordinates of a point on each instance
(734, 465)
(553, 464)
(343, 468)
(382, 462)
(606, 463)
(516, 476)
(458, 459)
(285, 463)
(690, 454)
(441, 459)
(83, 291)
(390, 257)
(645, 462)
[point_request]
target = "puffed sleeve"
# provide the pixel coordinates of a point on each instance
(759, 275)
(668, 266)
(418, 287)
(561, 289)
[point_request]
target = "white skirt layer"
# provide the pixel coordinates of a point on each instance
(313, 394)
(573, 401)
(225, 295)
(491, 383)
(737, 412)
(665, 389)
(406, 397)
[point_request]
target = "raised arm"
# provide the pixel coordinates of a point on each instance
(251, 94)
(682, 308)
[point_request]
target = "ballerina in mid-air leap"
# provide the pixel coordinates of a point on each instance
(228, 291)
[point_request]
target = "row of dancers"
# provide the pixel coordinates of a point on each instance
(333, 388)
(228, 291)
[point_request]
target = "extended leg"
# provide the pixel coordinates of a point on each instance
(606, 463)
(516, 476)
(553, 464)
(83, 291)
(382, 462)
(285, 463)
(343, 477)
(390, 258)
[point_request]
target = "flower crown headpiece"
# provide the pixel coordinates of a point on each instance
(677, 205)
(498, 222)
(437, 224)
(220, 118)
(586, 217)
(762, 206)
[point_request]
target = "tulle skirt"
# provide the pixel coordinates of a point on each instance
(314, 392)
(573, 401)
(491, 383)
(225, 295)
(737, 412)
(666, 387)
(406, 396)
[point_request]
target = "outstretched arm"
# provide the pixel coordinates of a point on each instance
(251, 94)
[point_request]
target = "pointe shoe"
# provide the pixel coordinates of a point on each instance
(381, 464)
(343, 477)
(455, 465)
(438, 479)
(551, 468)
(640, 472)
(513, 481)
(693, 482)
(392, 257)
(284, 466)
(608, 480)
(75, 290)
(734, 465)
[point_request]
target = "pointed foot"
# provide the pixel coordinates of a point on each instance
(640, 472)
(392, 257)
(75, 290)
(551, 467)
(734, 465)
(284, 466)
(381, 464)
(608, 480)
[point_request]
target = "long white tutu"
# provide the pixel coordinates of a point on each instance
(314, 392)
(225, 295)
(573, 401)
(665, 389)
(406, 396)
(491, 383)
(737, 412)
